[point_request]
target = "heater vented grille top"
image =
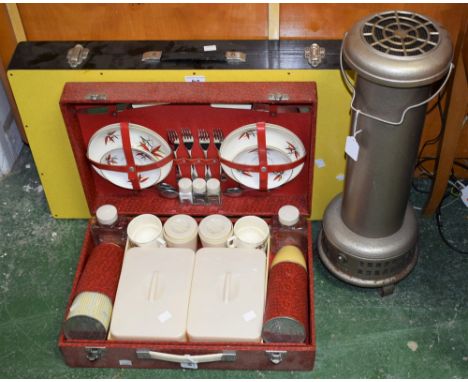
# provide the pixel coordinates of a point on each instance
(398, 49)
(401, 33)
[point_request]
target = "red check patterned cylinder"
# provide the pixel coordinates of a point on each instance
(287, 304)
(91, 310)
(102, 270)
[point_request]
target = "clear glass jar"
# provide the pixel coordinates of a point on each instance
(199, 191)
(185, 191)
(213, 190)
(108, 227)
(289, 228)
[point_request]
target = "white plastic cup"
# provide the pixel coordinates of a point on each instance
(146, 231)
(215, 230)
(249, 232)
(181, 231)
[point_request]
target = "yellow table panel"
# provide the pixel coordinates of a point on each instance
(37, 94)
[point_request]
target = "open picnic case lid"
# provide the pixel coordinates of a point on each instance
(160, 107)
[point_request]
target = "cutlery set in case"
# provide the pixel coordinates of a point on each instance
(133, 142)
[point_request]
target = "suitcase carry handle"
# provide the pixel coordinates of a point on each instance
(230, 57)
(187, 360)
(194, 56)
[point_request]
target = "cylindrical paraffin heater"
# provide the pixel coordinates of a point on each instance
(369, 233)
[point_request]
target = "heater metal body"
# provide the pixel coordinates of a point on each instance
(369, 234)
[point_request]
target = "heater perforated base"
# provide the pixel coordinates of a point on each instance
(367, 262)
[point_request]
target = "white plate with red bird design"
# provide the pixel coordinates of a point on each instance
(105, 146)
(282, 147)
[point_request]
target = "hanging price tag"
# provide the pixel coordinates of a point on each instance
(209, 48)
(194, 78)
(352, 147)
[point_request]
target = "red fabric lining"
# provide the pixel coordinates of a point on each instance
(161, 118)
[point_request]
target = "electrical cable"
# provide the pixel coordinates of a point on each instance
(441, 131)
(454, 191)
(438, 215)
(456, 161)
(452, 181)
(416, 188)
(438, 218)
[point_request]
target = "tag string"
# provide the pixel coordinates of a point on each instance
(356, 116)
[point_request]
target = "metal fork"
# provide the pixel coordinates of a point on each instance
(187, 138)
(175, 142)
(204, 140)
(218, 139)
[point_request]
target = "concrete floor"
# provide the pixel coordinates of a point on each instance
(419, 332)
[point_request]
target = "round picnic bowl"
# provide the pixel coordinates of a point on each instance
(282, 147)
(147, 147)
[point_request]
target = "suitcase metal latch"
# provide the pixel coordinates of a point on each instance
(77, 55)
(276, 356)
(278, 97)
(95, 97)
(314, 54)
(152, 56)
(94, 353)
(233, 57)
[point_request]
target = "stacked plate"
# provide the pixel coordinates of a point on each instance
(282, 147)
(106, 147)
